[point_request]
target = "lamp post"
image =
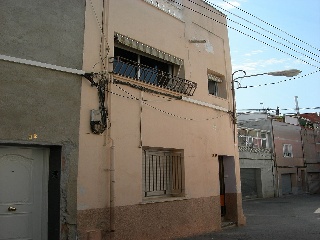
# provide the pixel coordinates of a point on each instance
(285, 73)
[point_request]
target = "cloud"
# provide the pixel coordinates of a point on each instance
(226, 5)
(263, 65)
(255, 52)
(229, 5)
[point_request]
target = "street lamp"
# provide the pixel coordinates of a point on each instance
(285, 73)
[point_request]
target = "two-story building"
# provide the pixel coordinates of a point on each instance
(283, 146)
(256, 163)
(116, 120)
(310, 133)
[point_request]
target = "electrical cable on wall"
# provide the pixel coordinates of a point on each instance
(98, 121)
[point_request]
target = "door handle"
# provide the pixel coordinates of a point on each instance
(11, 209)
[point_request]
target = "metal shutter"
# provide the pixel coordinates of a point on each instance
(248, 182)
(286, 183)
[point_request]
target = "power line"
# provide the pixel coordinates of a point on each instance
(252, 36)
(256, 25)
(272, 25)
(131, 97)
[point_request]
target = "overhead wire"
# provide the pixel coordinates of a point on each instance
(250, 35)
(132, 97)
(271, 25)
(256, 25)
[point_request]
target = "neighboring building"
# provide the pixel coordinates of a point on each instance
(310, 132)
(116, 120)
(288, 170)
(40, 117)
(256, 163)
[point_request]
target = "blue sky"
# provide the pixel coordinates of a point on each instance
(300, 19)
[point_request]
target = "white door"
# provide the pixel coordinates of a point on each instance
(23, 193)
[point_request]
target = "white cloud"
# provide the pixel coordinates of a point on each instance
(263, 65)
(228, 6)
(255, 52)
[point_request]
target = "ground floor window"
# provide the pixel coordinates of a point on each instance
(163, 172)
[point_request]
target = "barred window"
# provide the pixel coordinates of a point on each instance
(163, 172)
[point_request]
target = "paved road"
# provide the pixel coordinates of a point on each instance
(285, 218)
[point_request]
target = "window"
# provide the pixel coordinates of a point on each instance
(216, 85)
(163, 173)
(147, 69)
(135, 65)
(213, 84)
(287, 150)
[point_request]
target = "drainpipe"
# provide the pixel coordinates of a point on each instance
(104, 65)
(112, 183)
(111, 169)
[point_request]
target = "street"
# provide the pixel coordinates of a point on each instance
(289, 217)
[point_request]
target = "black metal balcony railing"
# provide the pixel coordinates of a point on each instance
(152, 76)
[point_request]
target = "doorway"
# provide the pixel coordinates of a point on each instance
(30, 192)
(222, 186)
(23, 188)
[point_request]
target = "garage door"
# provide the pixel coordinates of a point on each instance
(314, 182)
(286, 183)
(248, 182)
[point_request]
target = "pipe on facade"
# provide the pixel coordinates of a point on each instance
(112, 183)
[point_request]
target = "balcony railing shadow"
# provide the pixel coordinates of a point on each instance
(153, 76)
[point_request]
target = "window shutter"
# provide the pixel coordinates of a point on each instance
(147, 49)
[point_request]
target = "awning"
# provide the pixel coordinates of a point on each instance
(147, 49)
(214, 78)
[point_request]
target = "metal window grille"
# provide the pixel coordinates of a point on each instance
(162, 173)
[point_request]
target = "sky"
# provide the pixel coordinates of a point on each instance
(286, 35)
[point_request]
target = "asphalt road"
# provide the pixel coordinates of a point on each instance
(285, 218)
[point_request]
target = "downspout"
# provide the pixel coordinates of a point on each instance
(105, 48)
(111, 171)
(112, 183)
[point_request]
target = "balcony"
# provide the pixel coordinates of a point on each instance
(152, 76)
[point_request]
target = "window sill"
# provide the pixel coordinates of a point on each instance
(162, 199)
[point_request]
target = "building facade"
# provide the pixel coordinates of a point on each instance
(123, 110)
(287, 173)
(310, 133)
(256, 163)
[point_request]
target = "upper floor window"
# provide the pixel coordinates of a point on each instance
(287, 150)
(216, 84)
(138, 61)
(213, 84)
